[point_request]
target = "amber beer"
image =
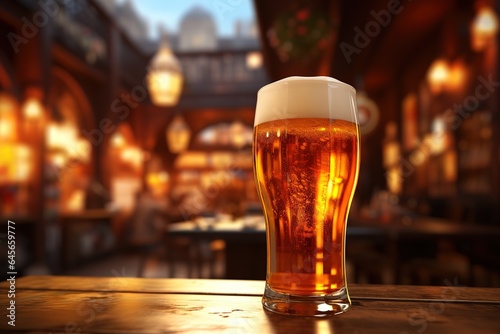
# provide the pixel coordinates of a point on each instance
(306, 167)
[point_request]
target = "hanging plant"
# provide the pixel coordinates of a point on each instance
(300, 34)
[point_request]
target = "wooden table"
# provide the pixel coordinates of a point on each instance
(55, 304)
(244, 244)
(98, 222)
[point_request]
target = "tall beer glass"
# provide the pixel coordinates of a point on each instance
(306, 162)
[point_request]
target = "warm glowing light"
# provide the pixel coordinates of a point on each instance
(32, 109)
(165, 77)
(221, 160)
(178, 135)
(394, 180)
(163, 177)
(319, 267)
(23, 163)
(237, 131)
(335, 187)
(419, 155)
(438, 75)
(438, 125)
(155, 179)
(58, 159)
(157, 182)
(254, 60)
(436, 141)
(457, 76)
(53, 135)
(450, 166)
(391, 154)
(15, 163)
(323, 325)
(133, 156)
(7, 104)
(63, 142)
(484, 28)
(152, 179)
(7, 119)
(192, 160)
(62, 136)
(6, 162)
(83, 149)
(118, 140)
(6, 129)
(76, 201)
(123, 190)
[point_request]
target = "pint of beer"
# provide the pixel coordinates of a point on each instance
(306, 162)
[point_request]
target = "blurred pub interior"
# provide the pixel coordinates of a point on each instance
(98, 157)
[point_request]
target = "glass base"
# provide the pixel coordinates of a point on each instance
(311, 306)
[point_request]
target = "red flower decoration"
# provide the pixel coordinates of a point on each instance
(302, 14)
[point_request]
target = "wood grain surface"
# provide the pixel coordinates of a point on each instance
(49, 304)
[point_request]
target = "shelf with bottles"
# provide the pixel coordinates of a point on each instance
(475, 149)
(86, 235)
(475, 143)
(442, 174)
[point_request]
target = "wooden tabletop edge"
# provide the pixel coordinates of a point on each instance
(448, 293)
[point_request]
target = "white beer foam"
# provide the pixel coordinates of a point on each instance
(306, 97)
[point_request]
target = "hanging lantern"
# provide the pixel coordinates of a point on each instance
(32, 109)
(484, 28)
(178, 135)
(165, 76)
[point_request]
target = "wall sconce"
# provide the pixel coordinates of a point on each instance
(178, 135)
(165, 77)
(32, 107)
(118, 140)
(484, 28)
(438, 75)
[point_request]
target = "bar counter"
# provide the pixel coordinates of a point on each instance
(58, 304)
